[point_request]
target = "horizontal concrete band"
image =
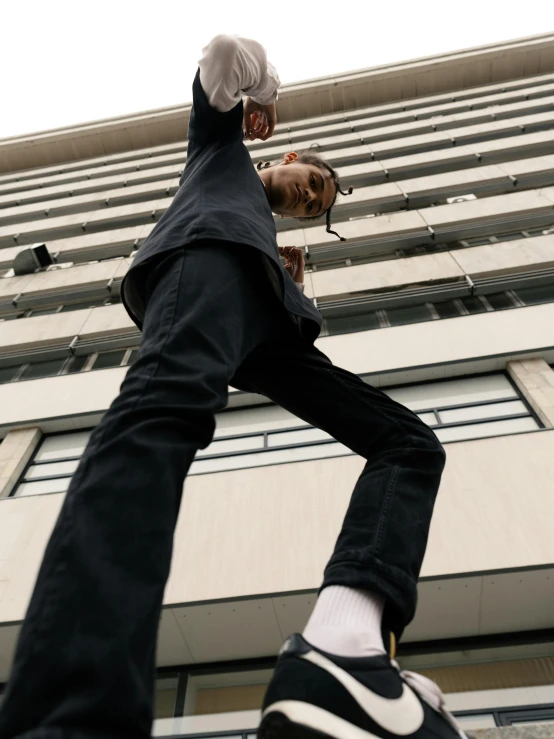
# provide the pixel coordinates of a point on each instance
(447, 222)
(481, 343)
(484, 180)
(503, 261)
(471, 126)
(451, 115)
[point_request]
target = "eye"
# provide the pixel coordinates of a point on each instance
(312, 181)
(310, 207)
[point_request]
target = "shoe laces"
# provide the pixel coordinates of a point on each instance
(430, 692)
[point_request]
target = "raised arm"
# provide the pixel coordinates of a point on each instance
(231, 67)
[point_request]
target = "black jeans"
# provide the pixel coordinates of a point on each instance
(84, 665)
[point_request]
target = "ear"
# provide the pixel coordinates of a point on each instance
(292, 156)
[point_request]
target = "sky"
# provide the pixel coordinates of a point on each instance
(67, 62)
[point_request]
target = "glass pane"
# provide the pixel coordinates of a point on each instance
(261, 459)
(63, 446)
(495, 410)
(301, 436)
(77, 363)
(133, 356)
(44, 486)
(532, 723)
(8, 373)
(477, 241)
(447, 309)
(539, 230)
(500, 301)
(513, 236)
(44, 311)
(428, 418)
(408, 314)
(453, 392)
(473, 304)
(481, 430)
(43, 369)
(165, 695)
(225, 692)
(535, 295)
(109, 359)
(267, 418)
(486, 721)
(51, 469)
(232, 445)
(347, 324)
(81, 306)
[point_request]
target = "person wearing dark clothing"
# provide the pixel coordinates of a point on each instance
(217, 308)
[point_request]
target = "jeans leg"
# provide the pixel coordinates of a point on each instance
(384, 535)
(84, 665)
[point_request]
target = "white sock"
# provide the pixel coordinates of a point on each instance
(347, 622)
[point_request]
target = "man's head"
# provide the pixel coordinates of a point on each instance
(301, 186)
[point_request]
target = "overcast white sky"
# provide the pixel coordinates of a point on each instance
(64, 62)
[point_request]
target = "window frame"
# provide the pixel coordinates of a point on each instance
(434, 409)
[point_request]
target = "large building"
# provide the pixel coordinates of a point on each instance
(443, 296)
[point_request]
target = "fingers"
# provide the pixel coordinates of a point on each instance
(269, 131)
(258, 126)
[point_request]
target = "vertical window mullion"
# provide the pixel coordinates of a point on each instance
(180, 697)
(21, 370)
(433, 311)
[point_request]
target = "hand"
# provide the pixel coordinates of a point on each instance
(259, 120)
(295, 261)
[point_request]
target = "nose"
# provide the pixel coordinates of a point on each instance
(308, 195)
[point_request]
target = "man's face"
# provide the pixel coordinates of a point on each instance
(298, 190)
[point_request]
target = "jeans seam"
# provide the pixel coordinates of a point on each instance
(60, 563)
(385, 510)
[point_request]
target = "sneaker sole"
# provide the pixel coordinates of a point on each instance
(298, 720)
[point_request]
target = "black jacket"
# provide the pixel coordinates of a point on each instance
(221, 197)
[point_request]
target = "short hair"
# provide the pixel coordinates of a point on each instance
(311, 157)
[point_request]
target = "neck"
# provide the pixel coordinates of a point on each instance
(266, 185)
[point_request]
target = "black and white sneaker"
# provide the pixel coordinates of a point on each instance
(316, 695)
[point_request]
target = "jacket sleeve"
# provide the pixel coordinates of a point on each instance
(230, 67)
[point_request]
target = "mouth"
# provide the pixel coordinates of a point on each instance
(298, 195)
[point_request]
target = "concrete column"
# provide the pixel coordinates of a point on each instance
(15, 452)
(535, 380)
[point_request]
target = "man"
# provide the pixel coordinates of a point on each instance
(216, 308)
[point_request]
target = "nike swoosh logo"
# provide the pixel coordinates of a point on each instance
(401, 716)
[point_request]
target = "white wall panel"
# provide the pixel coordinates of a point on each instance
(495, 493)
(42, 330)
(448, 340)
(378, 275)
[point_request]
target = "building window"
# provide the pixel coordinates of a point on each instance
(165, 695)
(53, 464)
(33, 370)
(420, 312)
(113, 299)
(459, 409)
